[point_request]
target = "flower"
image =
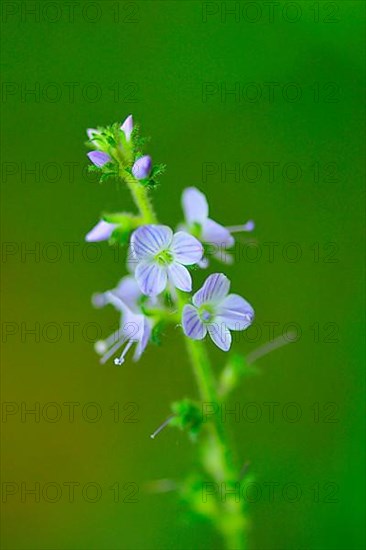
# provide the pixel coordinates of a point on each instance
(217, 312)
(198, 223)
(100, 232)
(134, 327)
(162, 256)
(142, 167)
(99, 158)
(127, 127)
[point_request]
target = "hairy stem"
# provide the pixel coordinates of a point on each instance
(219, 461)
(217, 458)
(140, 195)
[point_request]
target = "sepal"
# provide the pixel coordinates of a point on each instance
(235, 369)
(120, 236)
(187, 417)
(157, 332)
(191, 492)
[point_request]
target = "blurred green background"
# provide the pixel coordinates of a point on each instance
(154, 59)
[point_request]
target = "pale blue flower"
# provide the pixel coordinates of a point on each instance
(142, 167)
(101, 232)
(216, 312)
(161, 257)
(99, 158)
(198, 223)
(135, 327)
(127, 127)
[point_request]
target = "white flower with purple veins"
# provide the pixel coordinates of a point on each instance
(198, 223)
(134, 327)
(162, 256)
(216, 312)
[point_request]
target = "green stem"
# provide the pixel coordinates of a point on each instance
(141, 197)
(208, 393)
(218, 460)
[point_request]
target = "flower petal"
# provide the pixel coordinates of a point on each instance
(180, 277)
(142, 167)
(129, 291)
(192, 324)
(214, 289)
(235, 312)
(220, 335)
(100, 232)
(149, 240)
(214, 233)
(127, 127)
(99, 158)
(195, 206)
(132, 261)
(151, 278)
(144, 340)
(119, 304)
(187, 250)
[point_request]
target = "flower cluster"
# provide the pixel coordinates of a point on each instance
(161, 261)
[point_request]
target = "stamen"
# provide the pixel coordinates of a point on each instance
(100, 347)
(164, 257)
(162, 486)
(120, 360)
(99, 300)
(163, 425)
(113, 350)
(206, 316)
(249, 226)
(113, 337)
(244, 470)
(270, 346)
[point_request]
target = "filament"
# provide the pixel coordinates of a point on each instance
(113, 350)
(249, 226)
(268, 347)
(121, 359)
(162, 426)
(244, 469)
(112, 338)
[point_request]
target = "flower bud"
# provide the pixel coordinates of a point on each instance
(98, 158)
(91, 133)
(127, 127)
(100, 232)
(142, 167)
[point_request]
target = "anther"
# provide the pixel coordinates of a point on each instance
(249, 226)
(270, 346)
